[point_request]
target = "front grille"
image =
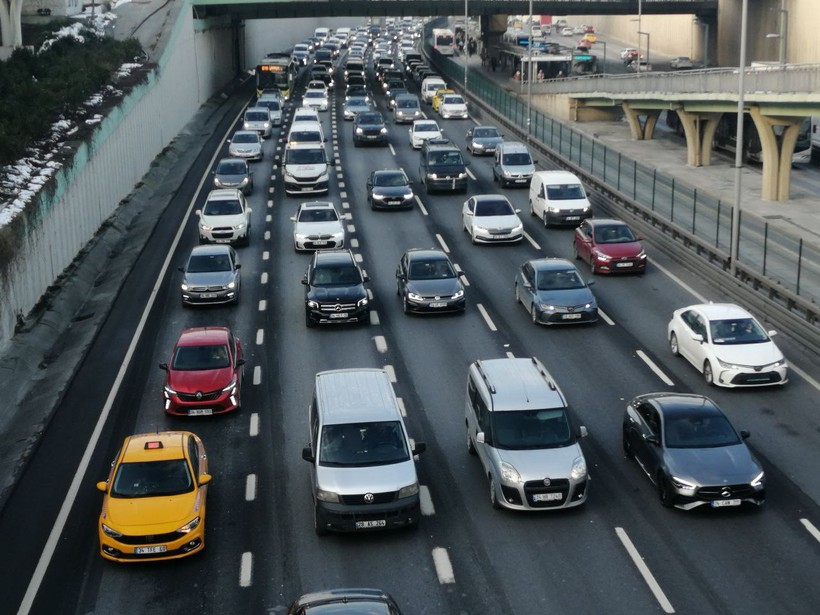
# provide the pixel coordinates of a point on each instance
(726, 492)
(308, 180)
(757, 378)
(337, 307)
(500, 231)
(378, 498)
(210, 396)
(323, 237)
(206, 289)
(150, 539)
(557, 485)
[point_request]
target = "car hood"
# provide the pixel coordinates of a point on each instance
(445, 287)
(764, 353)
(245, 147)
(496, 222)
(317, 228)
(309, 170)
(230, 220)
(233, 180)
(570, 296)
(371, 126)
(487, 141)
(423, 136)
(373, 479)
(534, 464)
(391, 191)
(722, 465)
(209, 278)
(453, 106)
(569, 203)
(157, 515)
(619, 250)
(327, 294)
(191, 381)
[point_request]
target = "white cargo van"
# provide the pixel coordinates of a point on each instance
(322, 33)
(558, 197)
(362, 471)
(429, 87)
(305, 168)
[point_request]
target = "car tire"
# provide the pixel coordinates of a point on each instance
(493, 497)
(470, 444)
(627, 446)
(664, 491)
(546, 219)
(320, 529)
(495, 179)
(673, 345)
(708, 374)
(534, 314)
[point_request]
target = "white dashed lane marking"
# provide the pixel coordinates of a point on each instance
(658, 371)
(444, 569)
(253, 428)
(260, 337)
(246, 569)
(486, 317)
(426, 502)
(250, 488)
(654, 587)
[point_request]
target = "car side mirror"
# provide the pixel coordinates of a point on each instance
(590, 282)
(182, 269)
(466, 163)
(204, 479)
(213, 172)
(198, 212)
(241, 362)
(249, 210)
(102, 486)
(771, 333)
(460, 273)
(697, 337)
(238, 266)
(307, 454)
(293, 218)
(365, 278)
(534, 162)
(419, 448)
(582, 432)
(744, 434)
(652, 439)
(304, 281)
(163, 367)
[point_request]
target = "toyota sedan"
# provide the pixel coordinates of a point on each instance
(553, 292)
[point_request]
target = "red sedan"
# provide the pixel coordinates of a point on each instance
(205, 374)
(609, 246)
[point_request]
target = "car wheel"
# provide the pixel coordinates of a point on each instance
(708, 375)
(546, 219)
(493, 497)
(673, 345)
(318, 525)
(628, 452)
(308, 322)
(534, 315)
(405, 306)
(664, 491)
(470, 444)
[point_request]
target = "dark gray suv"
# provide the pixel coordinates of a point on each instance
(334, 289)
(442, 167)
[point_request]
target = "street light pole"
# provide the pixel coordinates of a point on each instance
(466, 18)
(640, 14)
(741, 103)
(529, 77)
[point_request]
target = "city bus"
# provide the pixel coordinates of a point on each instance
(444, 41)
(275, 72)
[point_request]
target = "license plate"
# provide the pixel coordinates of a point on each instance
(571, 316)
(520, 181)
(339, 315)
(624, 264)
(722, 503)
(573, 218)
(306, 188)
(222, 241)
(546, 497)
(150, 550)
(208, 295)
(319, 243)
(438, 304)
(363, 525)
(200, 412)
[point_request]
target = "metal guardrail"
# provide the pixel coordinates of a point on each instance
(777, 274)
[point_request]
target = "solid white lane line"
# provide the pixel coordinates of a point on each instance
(257, 375)
(381, 343)
(811, 529)
(391, 373)
(532, 241)
(804, 376)
(486, 317)
(658, 371)
(679, 282)
(442, 243)
(421, 206)
(250, 488)
(426, 502)
(253, 427)
(644, 570)
(402, 409)
(246, 569)
(260, 337)
(444, 569)
(606, 318)
(263, 305)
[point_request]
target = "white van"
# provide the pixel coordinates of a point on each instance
(362, 472)
(513, 165)
(322, 33)
(429, 87)
(558, 197)
(306, 132)
(305, 168)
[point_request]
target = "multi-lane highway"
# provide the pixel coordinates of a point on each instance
(620, 553)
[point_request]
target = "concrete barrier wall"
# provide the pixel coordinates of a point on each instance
(55, 228)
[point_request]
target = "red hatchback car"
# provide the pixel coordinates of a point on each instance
(609, 246)
(205, 373)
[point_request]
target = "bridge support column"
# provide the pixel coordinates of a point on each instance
(641, 122)
(699, 129)
(776, 153)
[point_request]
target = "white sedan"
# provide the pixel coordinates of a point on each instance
(316, 99)
(453, 105)
(421, 131)
(727, 344)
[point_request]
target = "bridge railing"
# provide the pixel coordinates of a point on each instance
(778, 273)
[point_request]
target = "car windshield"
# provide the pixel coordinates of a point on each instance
(257, 116)
(426, 128)
(484, 133)
(737, 331)
(517, 159)
(565, 192)
(564, 279)
(699, 431)
(357, 101)
(206, 263)
(305, 136)
(453, 100)
(315, 94)
(206, 356)
(430, 270)
(222, 207)
(531, 429)
(304, 156)
(145, 479)
(245, 137)
(448, 158)
(271, 104)
(613, 234)
(344, 275)
(389, 179)
(363, 444)
(232, 167)
(406, 103)
(494, 208)
(318, 215)
(370, 118)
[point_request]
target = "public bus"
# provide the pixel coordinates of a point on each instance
(726, 139)
(444, 41)
(275, 72)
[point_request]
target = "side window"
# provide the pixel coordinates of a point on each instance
(314, 424)
(471, 206)
(541, 191)
(193, 453)
(232, 346)
(528, 274)
(650, 417)
(484, 417)
(586, 230)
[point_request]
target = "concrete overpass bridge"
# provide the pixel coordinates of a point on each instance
(773, 97)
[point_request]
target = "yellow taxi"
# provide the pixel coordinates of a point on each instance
(154, 504)
(590, 38)
(439, 96)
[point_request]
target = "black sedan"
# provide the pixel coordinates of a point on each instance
(691, 453)
(389, 189)
(354, 601)
(427, 282)
(483, 140)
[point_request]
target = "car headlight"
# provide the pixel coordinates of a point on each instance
(682, 484)
(432, 175)
(642, 255)
(727, 365)
(205, 227)
(409, 490)
(479, 229)
(462, 175)
(108, 531)
(218, 182)
(244, 181)
(414, 297)
(239, 226)
(509, 473)
(458, 295)
(169, 391)
(759, 480)
(554, 210)
(326, 496)
(190, 526)
(266, 125)
(359, 131)
(478, 146)
(361, 302)
(507, 174)
(245, 126)
(546, 307)
(230, 387)
(231, 284)
(579, 469)
(518, 229)
(288, 173)
(383, 131)
(184, 287)
(312, 304)
(601, 256)
(407, 196)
